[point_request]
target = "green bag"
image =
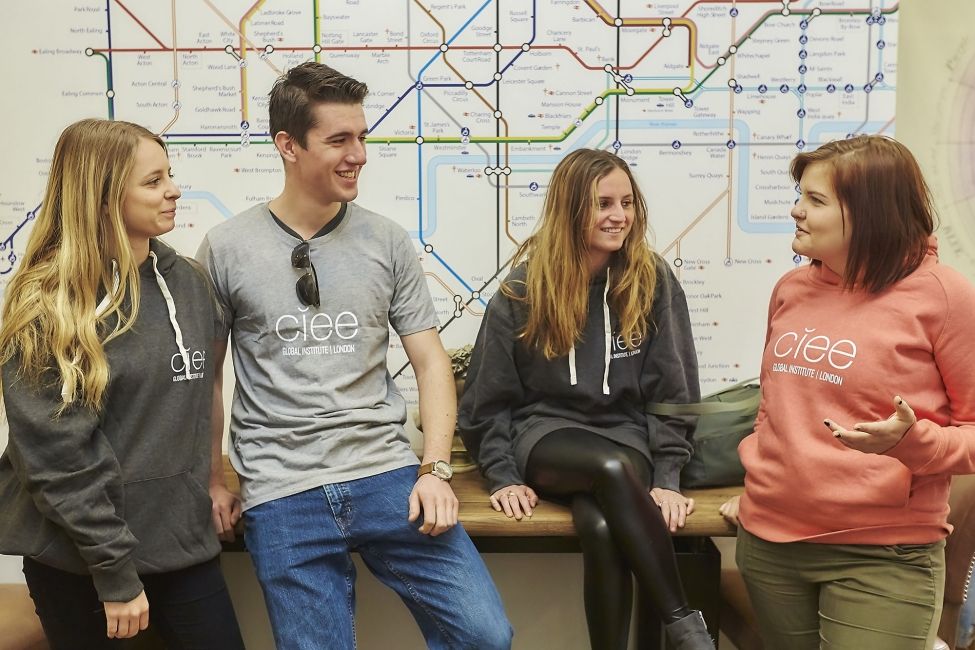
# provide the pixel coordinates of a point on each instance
(724, 419)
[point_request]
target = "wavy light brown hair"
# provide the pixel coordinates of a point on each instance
(885, 201)
(49, 320)
(557, 258)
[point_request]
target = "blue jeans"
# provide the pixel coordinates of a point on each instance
(301, 548)
(966, 621)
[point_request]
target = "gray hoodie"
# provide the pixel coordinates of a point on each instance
(124, 491)
(514, 396)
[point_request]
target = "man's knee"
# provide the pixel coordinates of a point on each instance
(491, 633)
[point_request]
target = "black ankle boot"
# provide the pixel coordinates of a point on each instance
(689, 633)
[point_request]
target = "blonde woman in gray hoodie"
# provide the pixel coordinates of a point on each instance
(107, 386)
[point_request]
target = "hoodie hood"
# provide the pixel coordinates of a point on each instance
(159, 264)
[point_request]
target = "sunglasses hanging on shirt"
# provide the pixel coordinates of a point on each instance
(307, 285)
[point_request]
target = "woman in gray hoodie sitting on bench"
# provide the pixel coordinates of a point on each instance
(588, 327)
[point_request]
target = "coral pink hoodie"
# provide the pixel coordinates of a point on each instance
(844, 355)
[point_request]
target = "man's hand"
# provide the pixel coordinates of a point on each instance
(876, 437)
(674, 506)
(124, 620)
(438, 503)
(225, 512)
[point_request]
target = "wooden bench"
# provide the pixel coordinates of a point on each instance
(550, 530)
(552, 520)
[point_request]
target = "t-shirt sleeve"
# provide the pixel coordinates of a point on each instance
(224, 316)
(411, 309)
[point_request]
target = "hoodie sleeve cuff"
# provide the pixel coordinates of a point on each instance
(666, 474)
(120, 585)
(914, 449)
(500, 477)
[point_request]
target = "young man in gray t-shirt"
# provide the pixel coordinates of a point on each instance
(311, 284)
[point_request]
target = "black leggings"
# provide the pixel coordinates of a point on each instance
(189, 608)
(620, 529)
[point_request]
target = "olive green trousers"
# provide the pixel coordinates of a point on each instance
(843, 596)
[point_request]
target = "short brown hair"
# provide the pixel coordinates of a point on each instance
(296, 93)
(884, 198)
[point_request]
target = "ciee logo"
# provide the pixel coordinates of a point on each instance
(196, 358)
(839, 354)
(319, 327)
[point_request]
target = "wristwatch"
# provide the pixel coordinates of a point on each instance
(439, 468)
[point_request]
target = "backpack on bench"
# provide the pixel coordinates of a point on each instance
(724, 419)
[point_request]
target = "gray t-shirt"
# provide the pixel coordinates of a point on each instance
(315, 403)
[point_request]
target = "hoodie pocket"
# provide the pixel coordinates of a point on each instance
(170, 516)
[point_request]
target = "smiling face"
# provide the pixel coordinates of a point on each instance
(328, 167)
(821, 232)
(149, 199)
(614, 219)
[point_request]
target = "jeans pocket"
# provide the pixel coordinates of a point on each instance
(917, 555)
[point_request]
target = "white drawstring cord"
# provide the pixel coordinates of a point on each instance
(171, 308)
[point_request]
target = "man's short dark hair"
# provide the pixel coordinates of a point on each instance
(296, 93)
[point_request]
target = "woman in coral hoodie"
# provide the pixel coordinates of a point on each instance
(868, 409)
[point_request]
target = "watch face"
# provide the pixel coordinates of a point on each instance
(443, 470)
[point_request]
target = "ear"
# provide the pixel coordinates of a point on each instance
(286, 146)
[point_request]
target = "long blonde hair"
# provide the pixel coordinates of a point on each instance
(557, 258)
(50, 323)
